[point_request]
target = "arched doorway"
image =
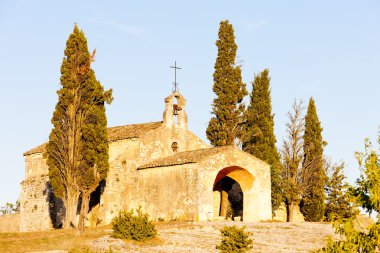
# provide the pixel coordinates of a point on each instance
(231, 198)
(228, 191)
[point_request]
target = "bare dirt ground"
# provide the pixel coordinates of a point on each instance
(175, 237)
(203, 236)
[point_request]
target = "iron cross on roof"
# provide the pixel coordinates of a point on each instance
(175, 88)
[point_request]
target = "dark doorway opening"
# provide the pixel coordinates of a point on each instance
(231, 198)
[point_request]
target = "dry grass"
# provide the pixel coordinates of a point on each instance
(47, 240)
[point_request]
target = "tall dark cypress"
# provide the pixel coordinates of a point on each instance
(258, 136)
(314, 176)
(77, 151)
(230, 90)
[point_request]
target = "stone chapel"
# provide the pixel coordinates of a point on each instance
(162, 167)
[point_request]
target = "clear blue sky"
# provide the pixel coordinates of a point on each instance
(326, 49)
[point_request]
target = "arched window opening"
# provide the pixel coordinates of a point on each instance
(175, 146)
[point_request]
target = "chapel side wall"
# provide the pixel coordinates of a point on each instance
(120, 181)
(36, 196)
(257, 201)
(167, 193)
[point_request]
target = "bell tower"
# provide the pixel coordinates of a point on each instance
(175, 114)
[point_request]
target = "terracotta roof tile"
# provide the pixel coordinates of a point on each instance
(38, 149)
(114, 134)
(185, 157)
(131, 131)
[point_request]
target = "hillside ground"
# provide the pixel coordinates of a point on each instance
(176, 237)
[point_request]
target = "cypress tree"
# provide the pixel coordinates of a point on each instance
(227, 107)
(77, 151)
(258, 137)
(312, 203)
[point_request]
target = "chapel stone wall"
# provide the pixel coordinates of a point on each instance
(39, 209)
(167, 193)
(121, 153)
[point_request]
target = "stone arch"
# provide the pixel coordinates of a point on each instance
(230, 185)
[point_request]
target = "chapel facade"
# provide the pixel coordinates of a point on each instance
(163, 168)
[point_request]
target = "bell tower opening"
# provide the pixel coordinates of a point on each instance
(175, 114)
(176, 109)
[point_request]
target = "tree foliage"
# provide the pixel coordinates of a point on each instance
(312, 203)
(77, 151)
(339, 201)
(292, 155)
(354, 239)
(229, 88)
(258, 137)
(10, 208)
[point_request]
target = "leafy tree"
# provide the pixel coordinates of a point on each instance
(77, 151)
(363, 190)
(258, 136)
(339, 202)
(227, 107)
(354, 239)
(10, 208)
(292, 155)
(312, 204)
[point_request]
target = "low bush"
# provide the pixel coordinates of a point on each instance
(137, 227)
(235, 240)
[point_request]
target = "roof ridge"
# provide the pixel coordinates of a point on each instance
(136, 124)
(184, 157)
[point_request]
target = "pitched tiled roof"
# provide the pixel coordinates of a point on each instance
(35, 150)
(131, 131)
(114, 134)
(185, 157)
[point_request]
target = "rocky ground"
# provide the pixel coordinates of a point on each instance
(203, 236)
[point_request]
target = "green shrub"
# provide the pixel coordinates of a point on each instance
(235, 240)
(135, 227)
(354, 240)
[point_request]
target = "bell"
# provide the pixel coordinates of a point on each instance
(175, 109)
